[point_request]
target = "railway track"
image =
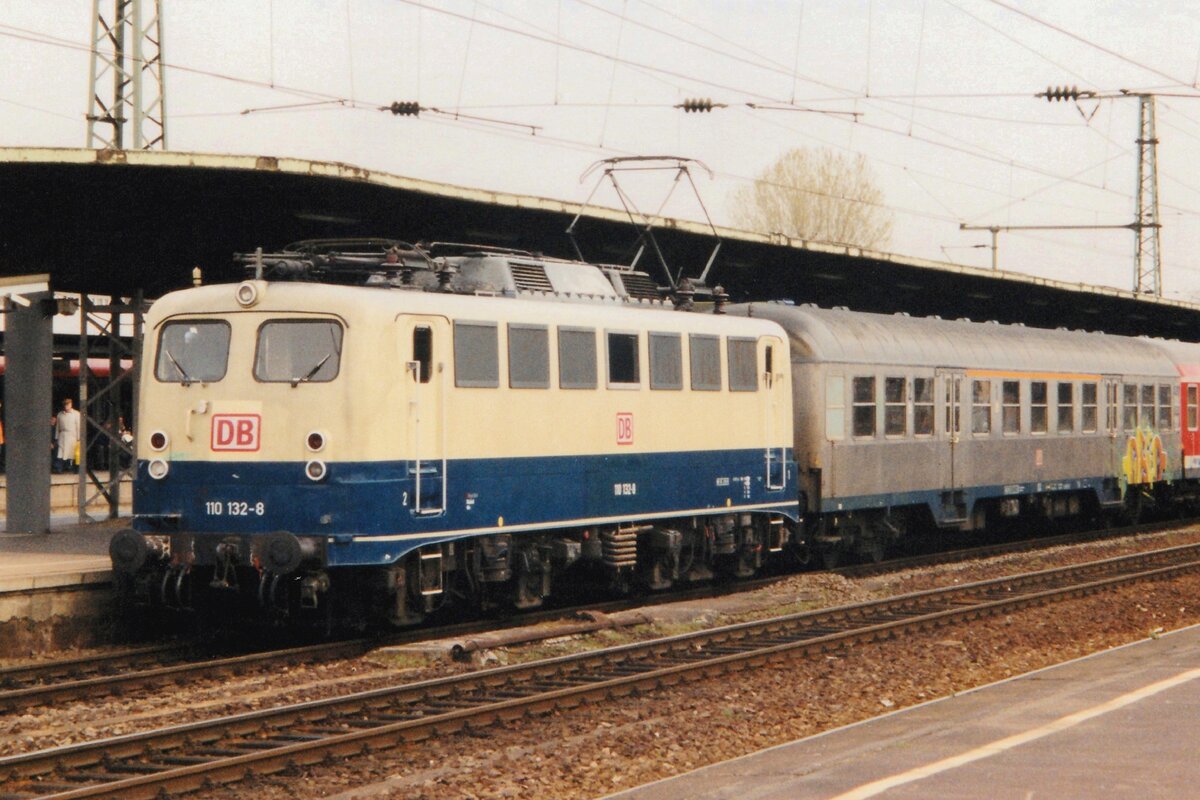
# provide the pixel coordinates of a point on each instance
(41, 684)
(187, 757)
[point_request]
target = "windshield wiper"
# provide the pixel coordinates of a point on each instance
(187, 379)
(316, 368)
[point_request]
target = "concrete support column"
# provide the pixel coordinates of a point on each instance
(28, 405)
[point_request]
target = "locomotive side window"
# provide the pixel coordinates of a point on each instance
(895, 407)
(298, 351)
(1164, 406)
(528, 357)
(422, 352)
(835, 408)
(1039, 415)
(1148, 417)
(666, 361)
(576, 358)
(864, 406)
(743, 364)
(705, 360)
(1193, 407)
(623, 367)
(476, 354)
(1091, 412)
(1010, 406)
(923, 406)
(981, 407)
(1130, 415)
(1066, 407)
(196, 350)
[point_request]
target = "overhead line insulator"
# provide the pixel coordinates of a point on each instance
(698, 105)
(1064, 93)
(407, 108)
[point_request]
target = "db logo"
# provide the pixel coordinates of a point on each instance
(624, 428)
(235, 431)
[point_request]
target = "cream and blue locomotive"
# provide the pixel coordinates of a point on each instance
(369, 429)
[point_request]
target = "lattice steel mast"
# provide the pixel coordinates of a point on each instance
(1147, 258)
(127, 51)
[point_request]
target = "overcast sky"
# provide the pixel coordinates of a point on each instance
(944, 89)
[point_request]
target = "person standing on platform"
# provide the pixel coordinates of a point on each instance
(66, 433)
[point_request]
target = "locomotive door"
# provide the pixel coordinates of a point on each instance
(952, 454)
(425, 341)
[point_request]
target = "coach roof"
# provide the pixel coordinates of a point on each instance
(852, 337)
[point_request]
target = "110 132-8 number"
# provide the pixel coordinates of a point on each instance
(234, 508)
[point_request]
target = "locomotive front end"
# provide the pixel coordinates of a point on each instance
(240, 414)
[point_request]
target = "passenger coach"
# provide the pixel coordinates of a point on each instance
(905, 422)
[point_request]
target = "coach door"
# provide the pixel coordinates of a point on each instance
(426, 344)
(952, 455)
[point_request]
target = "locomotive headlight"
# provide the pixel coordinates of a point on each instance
(247, 294)
(315, 470)
(159, 441)
(315, 441)
(158, 469)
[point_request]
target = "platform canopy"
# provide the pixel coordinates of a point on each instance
(112, 222)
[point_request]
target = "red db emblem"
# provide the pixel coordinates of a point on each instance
(624, 428)
(235, 431)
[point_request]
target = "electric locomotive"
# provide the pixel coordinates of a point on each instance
(372, 430)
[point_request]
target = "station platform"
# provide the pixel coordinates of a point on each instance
(1118, 724)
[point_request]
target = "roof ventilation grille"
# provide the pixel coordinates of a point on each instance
(530, 277)
(640, 285)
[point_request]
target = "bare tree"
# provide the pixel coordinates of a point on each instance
(819, 195)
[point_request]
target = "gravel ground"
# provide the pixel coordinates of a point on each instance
(591, 751)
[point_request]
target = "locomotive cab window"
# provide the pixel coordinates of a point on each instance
(298, 351)
(623, 367)
(528, 357)
(705, 360)
(576, 358)
(743, 364)
(476, 355)
(192, 351)
(666, 361)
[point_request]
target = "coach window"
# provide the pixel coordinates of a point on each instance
(576, 358)
(705, 359)
(1193, 407)
(1111, 398)
(1090, 411)
(476, 355)
(298, 351)
(835, 408)
(895, 407)
(864, 406)
(623, 367)
(1148, 417)
(1039, 417)
(666, 361)
(528, 357)
(743, 364)
(1129, 417)
(981, 407)
(953, 405)
(1178, 418)
(923, 406)
(1164, 406)
(1010, 406)
(1066, 407)
(197, 350)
